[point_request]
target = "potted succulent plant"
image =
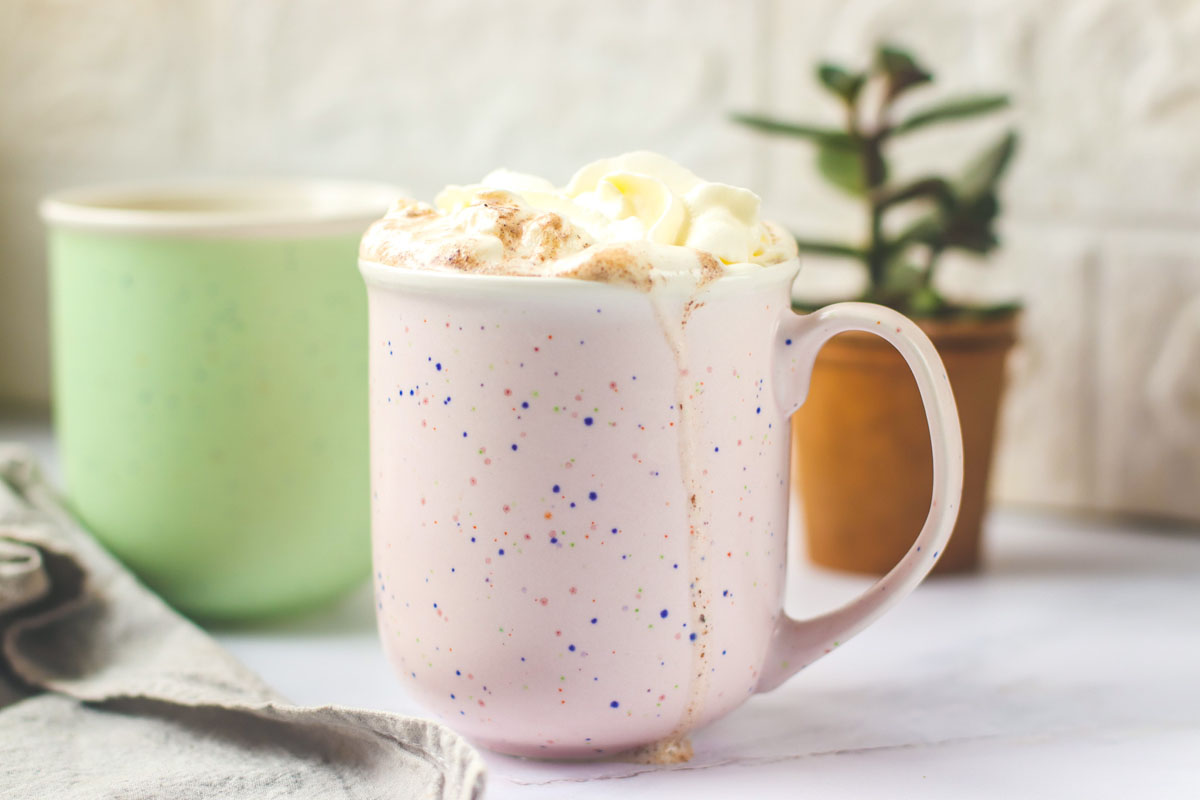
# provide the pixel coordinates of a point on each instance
(861, 454)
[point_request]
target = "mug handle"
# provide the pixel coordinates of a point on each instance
(797, 643)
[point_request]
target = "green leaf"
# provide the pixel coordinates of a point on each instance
(829, 248)
(901, 278)
(936, 189)
(981, 175)
(843, 167)
(926, 229)
(968, 225)
(841, 82)
(770, 125)
(952, 109)
(902, 70)
(926, 302)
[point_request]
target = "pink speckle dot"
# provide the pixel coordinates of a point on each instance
(544, 601)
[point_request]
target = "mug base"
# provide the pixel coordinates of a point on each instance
(672, 750)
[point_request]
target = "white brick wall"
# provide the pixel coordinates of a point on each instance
(1103, 204)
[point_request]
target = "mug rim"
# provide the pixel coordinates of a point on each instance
(221, 206)
(378, 275)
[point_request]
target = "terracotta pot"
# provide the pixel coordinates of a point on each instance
(861, 458)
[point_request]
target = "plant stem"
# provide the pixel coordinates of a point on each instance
(876, 175)
(931, 263)
(876, 252)
(876, 178)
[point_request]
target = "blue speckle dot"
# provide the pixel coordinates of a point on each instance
(514, 447)
(553, 540)
(725, 593)
(571, 647)
(458, 672)
(572, 505)
(472, 538)
(787, 341)
(438, 366)
(593, 620)
(614, 530)
(692, 636)
(435, 605)
(758, 410)
(555, 488)
(663, 613)
(525, 404)
(716, 449)
(464, 434)
(614, 704)
(588, 420)
(501, 551)
(452, 697)
(591, 495)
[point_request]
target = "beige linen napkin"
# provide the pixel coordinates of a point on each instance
(107, 692)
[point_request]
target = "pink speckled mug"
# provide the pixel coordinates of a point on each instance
(580, 495)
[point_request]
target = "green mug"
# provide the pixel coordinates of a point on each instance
(210, 374)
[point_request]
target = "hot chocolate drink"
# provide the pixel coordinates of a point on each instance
(579, 455)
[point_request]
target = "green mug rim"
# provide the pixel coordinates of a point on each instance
(221, 207)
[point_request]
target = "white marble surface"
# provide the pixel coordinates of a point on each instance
(1069, 668)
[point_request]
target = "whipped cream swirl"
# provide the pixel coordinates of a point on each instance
(620, 218)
